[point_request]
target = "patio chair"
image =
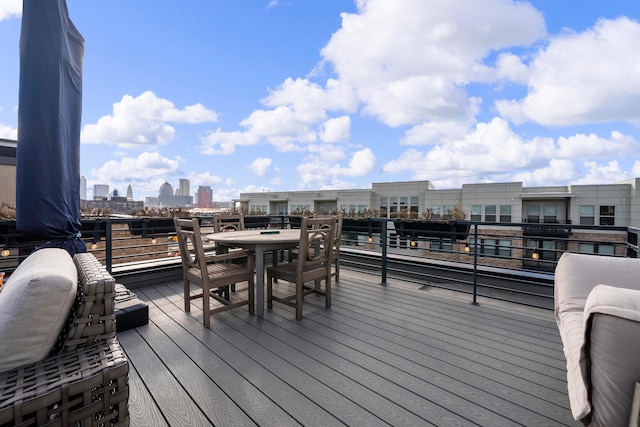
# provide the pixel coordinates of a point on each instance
(79, 376)
(315, 253)
(212, 271)
(223, 223)
(597, 308)
(293, 252)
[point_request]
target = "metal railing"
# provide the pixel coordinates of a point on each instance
(505, 261)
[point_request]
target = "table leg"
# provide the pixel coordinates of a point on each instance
(259, 281)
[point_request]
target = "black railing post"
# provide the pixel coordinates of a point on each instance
(475, 264)
(108, 251)
(383, 245)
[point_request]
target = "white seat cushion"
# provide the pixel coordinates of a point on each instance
(34, 305)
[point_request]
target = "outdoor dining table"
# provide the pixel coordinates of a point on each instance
(259, 242)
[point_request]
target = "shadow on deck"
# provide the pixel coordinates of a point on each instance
(392, 355)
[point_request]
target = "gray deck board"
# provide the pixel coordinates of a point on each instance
(393, 355)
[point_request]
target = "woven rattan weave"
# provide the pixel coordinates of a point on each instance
(86, 382)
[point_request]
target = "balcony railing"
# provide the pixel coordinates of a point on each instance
(507, 261)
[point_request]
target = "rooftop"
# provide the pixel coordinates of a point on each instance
(381, 355)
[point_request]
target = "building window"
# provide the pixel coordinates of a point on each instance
(414, 207)
(476, 213)
(533, 213)
(490, 213)
(550, 214)
(491, 247)
(436, 212)
(607, 215)
(384, 206)
(596, 248)
(439, 245)
(587, 215)
(505, 213)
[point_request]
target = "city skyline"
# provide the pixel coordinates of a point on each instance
(279, 96)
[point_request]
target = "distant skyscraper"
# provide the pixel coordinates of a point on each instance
(204, 197)
(129, 192)
(183, 189)
(100, 190)
(83, 188)
(166, 189)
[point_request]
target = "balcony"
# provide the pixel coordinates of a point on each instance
(382, 355)
(425, 329)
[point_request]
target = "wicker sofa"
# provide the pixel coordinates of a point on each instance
(597, 308)
(83, 379)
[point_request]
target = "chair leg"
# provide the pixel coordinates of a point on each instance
(269, 291)
(251, 291)
(206, 307)
(327, 292)
(299, 299)
(187, 295)
(337, 263)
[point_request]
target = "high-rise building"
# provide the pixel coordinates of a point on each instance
(100, 190)
(166, 189)
(204, 197)
(167, 198)
(129, 192)
(183, 188)
(83, 188)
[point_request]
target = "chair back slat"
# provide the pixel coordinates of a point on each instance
(316, 243)
(228, 223)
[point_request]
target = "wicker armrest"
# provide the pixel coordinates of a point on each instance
(88, 385)
(92, 317)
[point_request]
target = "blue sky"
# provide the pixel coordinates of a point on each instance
(275, 95)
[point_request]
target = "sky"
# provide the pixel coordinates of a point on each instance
(284, 95)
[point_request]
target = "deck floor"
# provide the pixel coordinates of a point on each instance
(393, 355)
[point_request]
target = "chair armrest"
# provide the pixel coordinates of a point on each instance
(577, 274)
(93, 316)
(615, 301)
(231, 255)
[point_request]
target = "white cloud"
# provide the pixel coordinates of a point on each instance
(319, 172)
(8, 132)
(336, 129)
(408, 60)
(143, 121)
(582, 147)
(146, 172)
(360, 164)
(435, 132)
(491, 148)
(494, 152)
(556, 172)
(282, 126)
(10, 9)
(260, 166)
(511, 67)
(587, 77)
(597, 173)
(220, 142)
(204, 179)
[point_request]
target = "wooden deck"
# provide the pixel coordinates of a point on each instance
(393, 355)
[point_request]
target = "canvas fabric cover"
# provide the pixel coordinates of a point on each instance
(34, 305)
(576, 276)
(612, 325)
(49, 115)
